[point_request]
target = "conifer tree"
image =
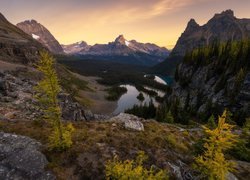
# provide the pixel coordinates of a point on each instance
(211, 122)
(169, 117)
(212, 162)
(47, 92)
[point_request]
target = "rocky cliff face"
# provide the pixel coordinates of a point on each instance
(41, 34)
(15, 45)
(208, 84)
(222, 27)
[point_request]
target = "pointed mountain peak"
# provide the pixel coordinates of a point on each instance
(120, 39)
(192, 25)
(192, 22)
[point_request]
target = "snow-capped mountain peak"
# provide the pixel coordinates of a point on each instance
(121, 47)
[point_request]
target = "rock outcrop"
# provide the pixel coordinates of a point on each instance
(129, 121)
(21, 159)
(17, 92)
(204, 89)
(41, 34)
(222, 27)
(15, 45)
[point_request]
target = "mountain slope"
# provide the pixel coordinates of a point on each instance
(17, 46)
(121, 50)
(41, 34)
(222, 27)
(213, 78)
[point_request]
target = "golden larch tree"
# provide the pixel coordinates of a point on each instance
(212, 162)
(47, 94)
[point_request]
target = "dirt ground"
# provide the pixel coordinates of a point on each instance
(97, 101)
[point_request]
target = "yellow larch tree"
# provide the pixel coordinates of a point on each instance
(47, 92)
(212, 162)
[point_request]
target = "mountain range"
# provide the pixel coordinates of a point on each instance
(121, 50)
(120, 46)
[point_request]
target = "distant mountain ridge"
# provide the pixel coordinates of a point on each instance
(222, 27)
(75, 47)
(121, 50)
(41, 34)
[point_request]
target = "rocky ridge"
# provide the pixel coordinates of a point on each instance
(41, 34)
(222, 27)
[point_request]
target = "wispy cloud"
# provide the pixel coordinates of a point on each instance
(131, 11)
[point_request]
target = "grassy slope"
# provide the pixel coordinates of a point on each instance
(96, 142)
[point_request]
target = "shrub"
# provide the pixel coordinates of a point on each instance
(132, 169)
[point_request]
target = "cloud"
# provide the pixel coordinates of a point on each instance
(126, 11)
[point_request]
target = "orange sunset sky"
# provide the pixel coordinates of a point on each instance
(101, 21)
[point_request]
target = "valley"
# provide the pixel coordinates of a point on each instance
(102, 75)
(125, 109)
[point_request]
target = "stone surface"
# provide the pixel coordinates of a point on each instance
(129, 121)
(21, 159)
(196, 89)
(18, 93)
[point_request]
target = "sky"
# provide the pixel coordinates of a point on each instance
(101, 21)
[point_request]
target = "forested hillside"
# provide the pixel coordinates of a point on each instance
(213, 78)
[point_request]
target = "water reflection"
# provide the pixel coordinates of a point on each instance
(129, 99)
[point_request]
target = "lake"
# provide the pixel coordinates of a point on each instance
(129, 99)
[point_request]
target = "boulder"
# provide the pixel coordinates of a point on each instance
(21, 159)
(129, 121)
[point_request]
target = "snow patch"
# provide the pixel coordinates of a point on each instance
(35, 36)
(80, 42)
(127, 43)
